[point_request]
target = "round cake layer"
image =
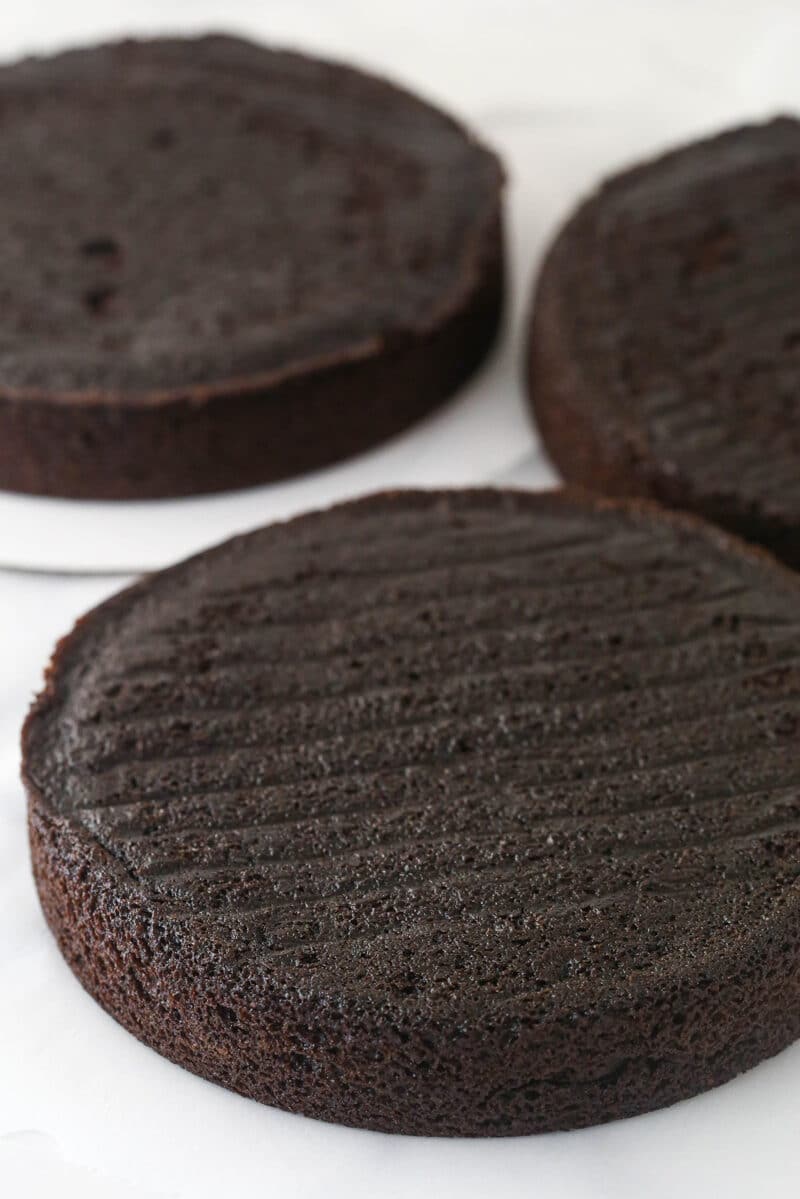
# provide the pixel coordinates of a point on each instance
(222, 264)
(453, 813)
(664, 358)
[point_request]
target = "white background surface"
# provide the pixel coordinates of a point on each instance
(566, 91)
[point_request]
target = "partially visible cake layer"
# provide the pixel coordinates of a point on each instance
(665, 348)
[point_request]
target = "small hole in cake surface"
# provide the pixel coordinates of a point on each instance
(163, 138)
(718, 247)
(98, 300)
(103, 248)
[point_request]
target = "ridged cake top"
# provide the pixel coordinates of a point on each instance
(467, 751)
(678, 282)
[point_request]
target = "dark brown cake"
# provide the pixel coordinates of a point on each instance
(454, 813)
(223, 264)
(665, 348)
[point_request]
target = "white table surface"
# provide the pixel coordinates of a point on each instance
(566, 91)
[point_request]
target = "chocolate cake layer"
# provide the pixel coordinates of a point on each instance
(448, 813)
(664, 358)
(223, 264)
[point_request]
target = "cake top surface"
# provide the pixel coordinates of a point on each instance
(475, 751)
(191, 212)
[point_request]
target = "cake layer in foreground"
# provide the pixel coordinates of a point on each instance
(464, 813)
